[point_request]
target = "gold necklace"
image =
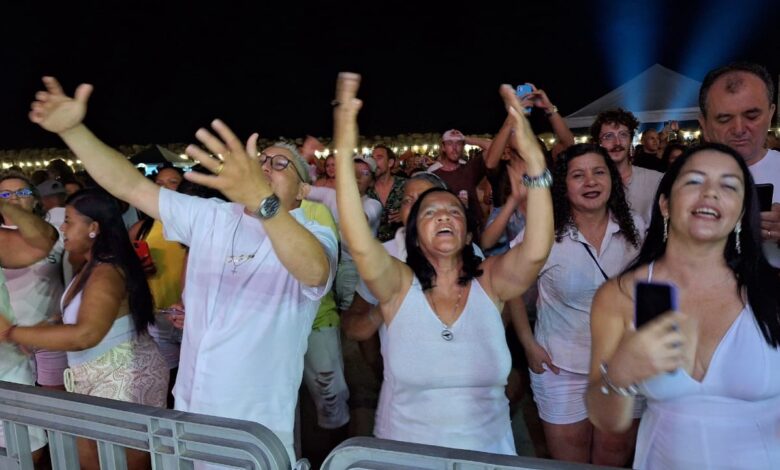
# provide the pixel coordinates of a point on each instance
(446, 332)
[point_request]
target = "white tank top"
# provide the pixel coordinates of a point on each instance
(121, 331)
(446, 393)
(731, 419)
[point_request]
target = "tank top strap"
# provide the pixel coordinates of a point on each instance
(650, 271)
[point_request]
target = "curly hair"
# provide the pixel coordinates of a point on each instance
(613, 116)
(415, 258)
(616, 204)
(753, 272)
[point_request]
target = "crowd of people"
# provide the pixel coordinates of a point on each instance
(223, 289)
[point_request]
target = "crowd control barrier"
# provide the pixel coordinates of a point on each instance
(368, 453)
(175, 440)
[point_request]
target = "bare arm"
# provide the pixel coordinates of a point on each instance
(382, 274)
(497, 145)
(360, 321)
(31, 242)
(484, 144)
(103, 296)
(510, 274)
(241, 179)
(63, 115)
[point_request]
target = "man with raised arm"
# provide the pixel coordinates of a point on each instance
(256, 268)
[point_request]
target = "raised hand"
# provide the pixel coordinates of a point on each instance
(55, 111)
(523, 138)
(345, 111)
(239, 176)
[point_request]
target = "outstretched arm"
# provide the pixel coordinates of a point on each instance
(63, 115)
(382, 273)
(510, 274)
(32, 240)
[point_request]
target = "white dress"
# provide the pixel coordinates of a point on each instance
(729, 420)
(446, 393)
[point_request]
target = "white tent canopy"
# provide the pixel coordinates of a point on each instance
(656, 95)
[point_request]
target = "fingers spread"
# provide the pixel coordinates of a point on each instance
(83, 92)
(211, 142)
(251, 145)
(201, 179)
(233, 143)
(202, 157)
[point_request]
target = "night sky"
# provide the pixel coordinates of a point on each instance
(161, 70)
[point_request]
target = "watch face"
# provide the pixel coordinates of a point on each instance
(269, 207)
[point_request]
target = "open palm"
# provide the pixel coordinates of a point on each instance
(55, 111)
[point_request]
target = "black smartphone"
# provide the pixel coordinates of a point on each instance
(765, 194)
(652, 299)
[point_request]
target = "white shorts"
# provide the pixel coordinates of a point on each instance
(561, 398)
(323, 374)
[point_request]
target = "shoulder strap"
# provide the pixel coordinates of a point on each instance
(595, 260)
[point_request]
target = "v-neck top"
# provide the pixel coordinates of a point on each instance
(446, 393)
(731, 419)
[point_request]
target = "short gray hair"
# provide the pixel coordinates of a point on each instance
(301, 167)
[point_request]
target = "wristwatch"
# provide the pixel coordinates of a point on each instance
(542, 181)
(268, 207)
(551, 111)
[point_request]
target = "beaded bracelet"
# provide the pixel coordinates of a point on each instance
(607, 385)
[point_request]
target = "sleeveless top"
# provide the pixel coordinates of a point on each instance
(446, 393)
(731, 419)
(121, 331)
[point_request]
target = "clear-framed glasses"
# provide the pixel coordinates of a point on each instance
(611, 137)
(22, 193)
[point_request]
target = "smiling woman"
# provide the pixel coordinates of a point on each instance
(710, 374)
(446, 360)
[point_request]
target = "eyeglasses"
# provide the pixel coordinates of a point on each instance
(610, 137)
(360, 173)
(277, 162)
(22, 193)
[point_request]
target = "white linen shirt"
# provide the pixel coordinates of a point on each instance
(246, 332)
(567, 283)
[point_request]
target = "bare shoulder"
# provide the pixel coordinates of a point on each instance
(105, 275)
(615, 298)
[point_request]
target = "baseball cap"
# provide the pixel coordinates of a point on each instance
(368, 160)
(50, 188)
(452, 134)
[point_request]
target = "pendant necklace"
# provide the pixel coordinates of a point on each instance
(446, 332)
(234, 260)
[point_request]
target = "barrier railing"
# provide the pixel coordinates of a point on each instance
(175, 440)
(378, 454)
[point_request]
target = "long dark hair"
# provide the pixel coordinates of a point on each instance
(750, 267)
(416, 259)
(616, 204)
(112, 245)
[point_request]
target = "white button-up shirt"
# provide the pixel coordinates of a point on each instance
(246, 331)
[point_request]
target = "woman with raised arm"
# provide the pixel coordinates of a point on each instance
(711, 375)
(447, 361)
(106, 311)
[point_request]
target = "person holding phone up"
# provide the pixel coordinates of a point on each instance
(711, 375)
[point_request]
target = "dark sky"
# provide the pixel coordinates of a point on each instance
(161, 69)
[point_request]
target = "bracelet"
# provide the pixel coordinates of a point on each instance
(607, 385)
(551, 111)
(542, 181)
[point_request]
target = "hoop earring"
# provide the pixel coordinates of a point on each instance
(666, 228)
(92, 234)
(737, 232)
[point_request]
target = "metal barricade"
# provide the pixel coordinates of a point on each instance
(175, 439)
(379, 454)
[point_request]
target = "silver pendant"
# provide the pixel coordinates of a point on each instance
(446, 334)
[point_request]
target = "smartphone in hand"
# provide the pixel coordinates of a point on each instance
(652, 299)
(765, 194)
(523, 90)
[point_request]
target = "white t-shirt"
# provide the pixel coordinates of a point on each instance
(246, 331)
(567, 283)
(767, 170)
(640, 191)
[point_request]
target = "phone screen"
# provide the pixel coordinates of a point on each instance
(765, 193)
(652, 299)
